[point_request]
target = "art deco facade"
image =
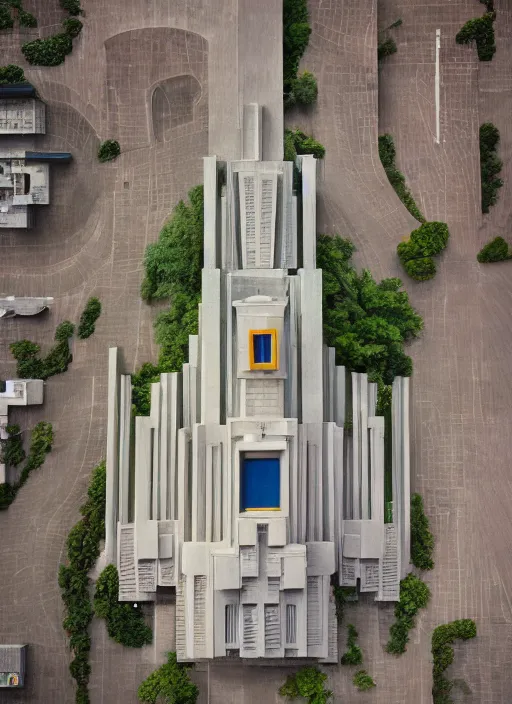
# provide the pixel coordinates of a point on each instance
(245, 490)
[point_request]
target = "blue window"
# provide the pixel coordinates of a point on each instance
(262, 343)
(260, 484)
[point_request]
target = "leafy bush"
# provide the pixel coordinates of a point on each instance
(302, 144)
(414, 595)
(125, 623)
(386, 47)
(173, 264)
(387, 154)
(108, 150)
(354, 654)
(40, 445)
(173, 270)
(442, 639)
(48, 52)
(496, 250)
(90, 315)
(481, 31)
(83, 549)
(11, 74)
(26, 19)
(425, 242)
(72, 6)
(490, 165)
(341, 596)
(421, 269)
(367, 323)
(64, 331)
(363, 681)
(309, 683)
(72, 26)
(304, 89)
(296, 31)
(170, 684)
(12, 452)
(6, 21)
(30, 366)
(422, 540)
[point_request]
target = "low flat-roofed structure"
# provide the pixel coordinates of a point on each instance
(10, 306)
(22, 185)
(22, 116)
(13, 665)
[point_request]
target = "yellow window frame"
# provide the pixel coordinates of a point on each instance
(274, 364)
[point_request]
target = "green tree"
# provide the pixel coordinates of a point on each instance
(170, 684)
(90, 315)
(304, 89)
(422, 540)
(309, 683)
(363, 681)
(109, 150)
(496, 250)
(414, 595)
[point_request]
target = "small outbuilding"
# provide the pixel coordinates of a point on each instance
(12, 665)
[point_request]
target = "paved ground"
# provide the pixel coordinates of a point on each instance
(91, 242)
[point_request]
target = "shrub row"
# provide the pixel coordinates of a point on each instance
(170, 683)
(341, 596)
(490, 165)
(414, 595)
(309, 683)
(11, 74)
(296, 31)
(363, 681)
(90, 315)
(303, 90)
(297, 142)
(31, 366)
(422, 540)
(442, 639)
(12, 453)
(387, 154)
(83, 549)
(40, 445)
(125, 622)
(172, 268)
(353, 654)
(109, 150)
(481, 31)
(497, 250)
(368, 323)
(425, 242)
(52, 51)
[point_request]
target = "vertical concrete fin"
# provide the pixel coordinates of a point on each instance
(112, 458)
(210, 212)
(210, 347)
(308, 167)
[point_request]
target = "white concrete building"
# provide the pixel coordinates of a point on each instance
(242, 490)
(22, 116)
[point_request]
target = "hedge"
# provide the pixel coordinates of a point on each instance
(481, 31)
(387, 154)
(12, 453)
(170, 684)
(490, 165)
(353, 654)
(26, 19)
(386, 47)
(64, 331)
(40, 445)
(109, 150)
(72, 26)
(297, 142)
(11, 74)
(422, 540)
(172, 268)
(90, 315)
(368, 323)
(6, 21)
(31, 366)
(296, 31)
(414, 595)
(83, 549)
(443, 654)
(48, 52)
(309, 683)
(304, 90)
(125, 623)
(341, 596)
(363, 681)
(497, 250)
(425, 242)
(72, 6)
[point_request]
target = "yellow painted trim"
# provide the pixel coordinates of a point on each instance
(274, 364)
(275, 508)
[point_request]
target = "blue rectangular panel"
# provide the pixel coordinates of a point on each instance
(260, 483)
(262, 348)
